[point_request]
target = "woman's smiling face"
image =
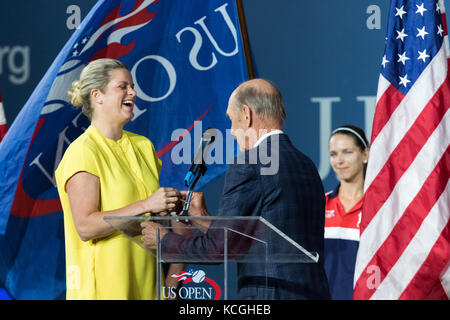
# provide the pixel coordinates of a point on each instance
(118, 97)
(346, 158)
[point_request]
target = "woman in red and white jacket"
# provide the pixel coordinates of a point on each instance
(349, 153)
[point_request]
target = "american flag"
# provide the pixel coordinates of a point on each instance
(404, 248)
(3, 124)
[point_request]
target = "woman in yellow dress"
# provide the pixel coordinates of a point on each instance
(108, 171)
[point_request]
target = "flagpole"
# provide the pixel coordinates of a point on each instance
(245, 39)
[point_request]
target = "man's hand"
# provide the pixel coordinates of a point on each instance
(149, 233)
(198, 208)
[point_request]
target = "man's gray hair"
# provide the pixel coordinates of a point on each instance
(266, 103)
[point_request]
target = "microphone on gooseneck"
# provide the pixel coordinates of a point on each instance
(198, 166)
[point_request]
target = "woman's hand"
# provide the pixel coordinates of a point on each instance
(162, 201)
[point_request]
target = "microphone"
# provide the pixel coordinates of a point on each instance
(198, 166)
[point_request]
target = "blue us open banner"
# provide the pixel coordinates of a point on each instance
(186, 57)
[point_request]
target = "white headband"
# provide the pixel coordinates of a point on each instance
(352, 131)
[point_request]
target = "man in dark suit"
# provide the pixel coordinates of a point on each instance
(286, 191)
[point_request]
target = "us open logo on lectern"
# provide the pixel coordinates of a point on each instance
(201, 288)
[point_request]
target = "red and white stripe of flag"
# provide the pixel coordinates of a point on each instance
(3, 124)
(404, 250)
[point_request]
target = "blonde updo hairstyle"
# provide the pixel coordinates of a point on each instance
(95, 75)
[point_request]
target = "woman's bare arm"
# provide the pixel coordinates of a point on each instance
(83, 191)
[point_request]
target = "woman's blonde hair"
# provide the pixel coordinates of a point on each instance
(95, 75)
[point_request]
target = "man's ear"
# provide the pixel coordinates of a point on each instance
(247, 115)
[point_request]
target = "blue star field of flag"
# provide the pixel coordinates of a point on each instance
(415, 35)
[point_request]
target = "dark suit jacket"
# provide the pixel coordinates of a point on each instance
(292, 199)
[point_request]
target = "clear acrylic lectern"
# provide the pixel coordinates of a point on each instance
(225, 240)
